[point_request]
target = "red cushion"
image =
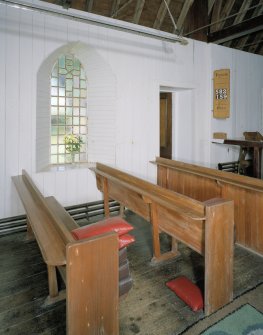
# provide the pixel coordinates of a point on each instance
(188, 292)
(116, 224)
(125, 240)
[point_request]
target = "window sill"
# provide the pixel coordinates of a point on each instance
(68, 167)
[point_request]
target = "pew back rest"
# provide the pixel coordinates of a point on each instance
(46, 223)
(171, 200)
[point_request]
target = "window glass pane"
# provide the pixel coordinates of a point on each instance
(61, 111)
(83, 130)
(75, 102)
(54, 130)
(62, 62)
(76, 82)
(62, 80)
(54, 140)
(69, 121)
(54, 159)
(54, 81)
(61, 149)
(82, 84)
(61, 139)
(76, 92)
(76, 111)
(76, 130)
(61, 130)
(54, 120)
(54, 149)
(54, 101)
(83, 121)
(54, 110)
(82, 111)
(69, 110)
(76, 121)
(69, 84)
(61, 120)
(68, 107)
(83, 93)
(62, 92)
(62, 101)
(54, 91)
(61, 159)
(69, 101)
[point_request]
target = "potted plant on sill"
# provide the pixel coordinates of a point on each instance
(73, 144)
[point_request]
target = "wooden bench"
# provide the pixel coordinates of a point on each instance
(92, 308)
(207, 228)
(202, 183)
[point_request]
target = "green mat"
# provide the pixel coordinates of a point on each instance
(244, 321)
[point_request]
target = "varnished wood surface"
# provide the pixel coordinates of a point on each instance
(52, 246)
(172, 213)
(95, 283)
(150, 307)
(52, 227)
(203, 183)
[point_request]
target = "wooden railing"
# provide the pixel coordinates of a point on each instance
(206, 227)
(203, 183)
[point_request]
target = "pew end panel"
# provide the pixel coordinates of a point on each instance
(93, 263)
(219, 254)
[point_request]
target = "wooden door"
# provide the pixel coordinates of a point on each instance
(166, 125)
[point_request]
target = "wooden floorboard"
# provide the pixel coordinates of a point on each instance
(150, 308)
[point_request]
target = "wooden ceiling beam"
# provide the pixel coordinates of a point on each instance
(120, 9)
(210, 6)
(242, 29)
(242, 11)
(242, 41)
(161, 15)
(187, 5)
(89, 5)
(138, 11)
(216, 15)
(225, 12)
(257, 40)
(115, 6)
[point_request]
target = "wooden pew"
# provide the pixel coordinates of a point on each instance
(203, 183)
(88, 267)
(205, 227)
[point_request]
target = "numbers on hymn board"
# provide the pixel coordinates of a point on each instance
(221, 93)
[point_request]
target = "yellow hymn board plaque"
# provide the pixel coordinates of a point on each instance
(222, 93)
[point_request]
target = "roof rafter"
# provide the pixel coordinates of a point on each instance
(210, 5)
(216, 15)
(161, 15)
(89, 5)
(138, 11)
(120, 9)
(187, 5)
(225, 12)
(246, 27)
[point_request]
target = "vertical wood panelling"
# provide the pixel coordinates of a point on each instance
(3, 39)
(12, 98)
(125, 73)
(246, 193)
(26, 144)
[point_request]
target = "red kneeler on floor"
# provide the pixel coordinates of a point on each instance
(188, 292)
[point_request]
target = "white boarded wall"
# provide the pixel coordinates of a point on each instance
(127, 110)
(246, 83)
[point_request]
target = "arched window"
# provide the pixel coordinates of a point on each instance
(68, 110)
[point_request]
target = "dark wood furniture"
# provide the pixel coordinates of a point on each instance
(203, 183)
(88, 267)
(206, 227)
(248, 145)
